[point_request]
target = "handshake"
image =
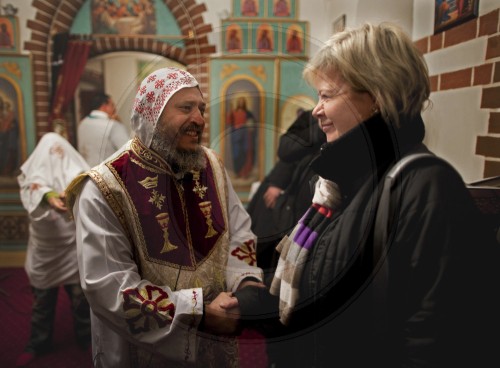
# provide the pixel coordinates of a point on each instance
(222, 316)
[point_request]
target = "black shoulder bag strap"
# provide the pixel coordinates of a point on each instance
(390, 200)
(383, 234)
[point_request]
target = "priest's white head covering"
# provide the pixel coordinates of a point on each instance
(153, 94)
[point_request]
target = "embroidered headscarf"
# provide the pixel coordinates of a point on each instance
(153, 94)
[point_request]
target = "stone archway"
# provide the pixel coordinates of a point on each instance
(56, 16)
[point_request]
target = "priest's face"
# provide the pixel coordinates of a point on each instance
(178, 133)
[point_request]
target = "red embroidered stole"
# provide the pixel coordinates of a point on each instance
(181, 220)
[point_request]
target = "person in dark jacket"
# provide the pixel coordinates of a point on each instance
(285, 194)
(427, 299)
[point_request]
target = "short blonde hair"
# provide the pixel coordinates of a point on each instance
(378, 59)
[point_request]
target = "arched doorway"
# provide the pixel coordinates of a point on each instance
(57, 17)
(118, 74)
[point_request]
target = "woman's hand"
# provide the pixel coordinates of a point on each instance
(271, 195)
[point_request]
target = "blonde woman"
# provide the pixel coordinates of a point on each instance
(425, 298)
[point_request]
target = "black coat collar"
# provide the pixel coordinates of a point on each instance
(369, 148)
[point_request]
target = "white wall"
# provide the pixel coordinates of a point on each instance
(455, 118)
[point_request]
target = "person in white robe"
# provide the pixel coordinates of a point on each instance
(51, 252)
(100, 134)
(163, 240)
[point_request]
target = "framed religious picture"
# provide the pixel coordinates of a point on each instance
(17, 130)
(242, 115)
(265, 38)
(235, 37)
(248, 8)
(9, 34)
(282, 8)
(243, 105)
(450, 13)
(294, 38)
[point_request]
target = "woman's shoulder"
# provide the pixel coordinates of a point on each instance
(425, 167)
(431, 179)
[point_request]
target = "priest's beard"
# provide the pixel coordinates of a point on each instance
(181, 161)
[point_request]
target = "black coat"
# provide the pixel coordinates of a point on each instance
(434, 306)
(297, 147)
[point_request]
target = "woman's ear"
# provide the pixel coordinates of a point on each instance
(375, 107)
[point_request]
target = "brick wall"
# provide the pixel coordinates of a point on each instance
(55, 16)
(486, 76)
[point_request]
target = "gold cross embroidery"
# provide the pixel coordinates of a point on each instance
(201, 190)
(157, 199)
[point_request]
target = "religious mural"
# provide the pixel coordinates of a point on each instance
(125, 17)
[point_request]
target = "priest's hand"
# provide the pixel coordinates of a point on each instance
(220, 319)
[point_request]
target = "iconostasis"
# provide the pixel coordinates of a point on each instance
(256, 86)
(17, 128)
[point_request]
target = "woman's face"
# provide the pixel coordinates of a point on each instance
(339, 108)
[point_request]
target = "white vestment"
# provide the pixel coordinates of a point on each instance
(99, 136)
(113, 264)
(51, 253)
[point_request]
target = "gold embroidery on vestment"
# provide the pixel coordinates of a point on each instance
(163, 220)
(157, 199)
(149, 182)
(201, 190)
(206, 209)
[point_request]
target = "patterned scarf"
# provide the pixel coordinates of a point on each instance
(294, 249)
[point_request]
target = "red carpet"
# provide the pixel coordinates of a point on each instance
(253, 350)
(15, 308)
